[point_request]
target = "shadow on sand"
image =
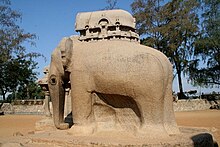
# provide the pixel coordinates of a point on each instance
(68, 119)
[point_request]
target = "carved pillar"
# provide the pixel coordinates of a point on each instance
(47, 104)
(67, 108)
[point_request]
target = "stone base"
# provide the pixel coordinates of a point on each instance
(189, 137)
(47, 135)
(62, 138)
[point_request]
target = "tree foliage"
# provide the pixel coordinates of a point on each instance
(30, 91)
(111, 4)
(205, 68)
(16, 65)
(170, 27)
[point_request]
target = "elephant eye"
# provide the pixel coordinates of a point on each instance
(53, 80)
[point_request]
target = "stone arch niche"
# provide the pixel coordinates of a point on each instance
(103, 25)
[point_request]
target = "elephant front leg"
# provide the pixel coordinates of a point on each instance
(82, 105)
(57, 93)
(83, 119)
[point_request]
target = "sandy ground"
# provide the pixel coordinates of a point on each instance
(12, 124)
(208, 119)
(24, 124)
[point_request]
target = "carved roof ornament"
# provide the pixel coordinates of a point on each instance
(106, 25)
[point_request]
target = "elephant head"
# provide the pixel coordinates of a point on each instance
(58, 80)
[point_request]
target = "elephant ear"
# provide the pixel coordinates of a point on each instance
(65, 47)
(61, 56)
(68, 52)
(70, 44)
(56, 63)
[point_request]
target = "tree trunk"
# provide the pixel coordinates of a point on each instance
(181, 94)
(3, 94)
(27, 92)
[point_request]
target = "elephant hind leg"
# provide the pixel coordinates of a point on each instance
(151, 115)
(169, 117)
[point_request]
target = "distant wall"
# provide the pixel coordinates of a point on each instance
(193, 104)
(28, 102)
(22, 109)
(180, 105)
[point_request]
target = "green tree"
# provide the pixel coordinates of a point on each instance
(205, 68)
(30, 91)
(16, 65)
(170, 27)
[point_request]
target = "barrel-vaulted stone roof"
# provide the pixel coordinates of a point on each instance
(107, 24)
(114, 17)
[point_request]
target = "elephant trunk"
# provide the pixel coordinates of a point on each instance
(57, 90)
(57, 93)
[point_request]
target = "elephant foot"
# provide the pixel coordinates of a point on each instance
(152, 132)
(85, 130)
(172, 129)
(48, 114)
(62, 126)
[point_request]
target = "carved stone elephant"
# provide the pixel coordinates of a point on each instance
(127, 70)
